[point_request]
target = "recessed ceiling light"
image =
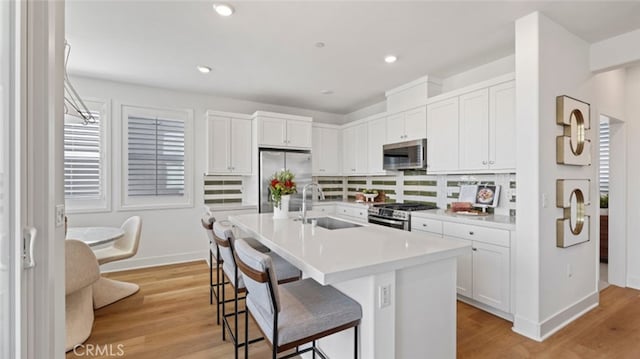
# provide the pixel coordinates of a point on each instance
(223, 9)
(320, 44)
(326, 92)
(204, 69)
(390, 59)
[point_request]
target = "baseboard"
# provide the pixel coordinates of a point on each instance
(137, 263)
(633, 282)
(527, 328)
(548, 327)
(486, 308)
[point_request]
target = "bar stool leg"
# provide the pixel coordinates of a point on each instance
(224, 322)
(246, 332)
(313, 345)
(235, 319)
(355, 342)
(211, 278)
(218, 283)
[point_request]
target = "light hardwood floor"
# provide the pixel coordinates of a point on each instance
(170, 317)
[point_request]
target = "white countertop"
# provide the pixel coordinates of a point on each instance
(492, 221)
(332, 256)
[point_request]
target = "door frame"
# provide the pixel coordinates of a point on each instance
(42, 108)
(617, 264)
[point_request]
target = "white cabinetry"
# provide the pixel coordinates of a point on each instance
(502, 126)
(474, 130)
(324, 208)
(377, 138)
(355, 150)
(443, 141)
(325, 151)
(356, 213)
(487, 128)
(283, 131)
(484, 275)
(408, 125)
(229, 149)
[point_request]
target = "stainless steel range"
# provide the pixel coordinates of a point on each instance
(396, 215)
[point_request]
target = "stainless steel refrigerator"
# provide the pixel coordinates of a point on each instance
(272, 161)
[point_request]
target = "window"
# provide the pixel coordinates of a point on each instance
(85, 165)
(157, 158)
(604, 155)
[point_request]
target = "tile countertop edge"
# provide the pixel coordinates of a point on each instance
(354, 273)
(491, 221)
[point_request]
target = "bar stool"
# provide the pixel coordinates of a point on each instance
(225, 240)
(292, 314)
(214, 253)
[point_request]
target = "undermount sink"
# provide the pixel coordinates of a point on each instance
(332, 223)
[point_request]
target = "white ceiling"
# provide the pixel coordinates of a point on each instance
(265, 52)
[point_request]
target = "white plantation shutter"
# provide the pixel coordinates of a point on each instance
(156, 157)
(604, 155)
(82, 159)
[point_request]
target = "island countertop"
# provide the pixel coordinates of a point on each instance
(332, 256)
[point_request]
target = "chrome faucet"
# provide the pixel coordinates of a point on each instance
(304, 199)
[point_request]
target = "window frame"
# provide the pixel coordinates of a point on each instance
(127, 203)
(103, 204)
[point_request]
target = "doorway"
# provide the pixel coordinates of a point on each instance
(613, 187)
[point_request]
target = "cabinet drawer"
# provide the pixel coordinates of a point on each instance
(426, 225)
(482, 234)
(324, 208)
(360, 213)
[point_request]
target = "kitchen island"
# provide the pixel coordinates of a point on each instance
(405, 282)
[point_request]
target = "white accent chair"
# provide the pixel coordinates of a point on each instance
(125, 247)
(107, 291)
(81, 272)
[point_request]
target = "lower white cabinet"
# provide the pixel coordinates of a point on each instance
(491, 275)
(357, 213)
(324, 208)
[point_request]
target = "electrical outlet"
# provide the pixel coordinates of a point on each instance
(59, 215)
(384, 299)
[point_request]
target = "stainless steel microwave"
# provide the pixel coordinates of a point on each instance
(409, 155)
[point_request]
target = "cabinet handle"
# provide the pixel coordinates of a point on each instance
(474, 249)
(484, 162)
(424, 224)
(492, 162)
(471, 233)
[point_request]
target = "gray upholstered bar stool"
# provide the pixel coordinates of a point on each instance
(293, 314)
(225, 240)
(207, 221)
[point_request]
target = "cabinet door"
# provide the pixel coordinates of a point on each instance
(241, 149)
(491, 275)
(464, 282)
(377, 138)
(395, 128)
(299, 133)
(474, 130)
(362, 148)
(415, 124)
(218, 145)
(316, 151)
(502, 126)
(272, 132)
(442, 136)
(330, 152)
(349, 151)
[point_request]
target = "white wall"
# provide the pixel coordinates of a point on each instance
(168, 235)
(374, 109)
(554, 285)
(633, 175)
(481, 73)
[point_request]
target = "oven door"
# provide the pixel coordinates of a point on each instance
(394, 223)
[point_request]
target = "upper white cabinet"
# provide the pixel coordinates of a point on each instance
(355, 150)
(325, 151)
(502, 126)
(283, 131)
(408, 125)
(377, 138)
(474, 130)
(229, 149)
(443, 140)
(487, 128)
